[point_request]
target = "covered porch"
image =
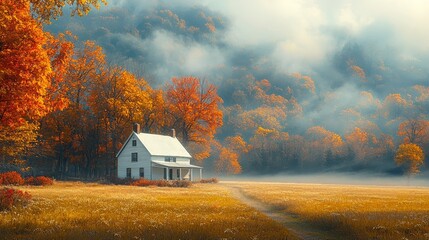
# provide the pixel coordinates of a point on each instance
(176, 171)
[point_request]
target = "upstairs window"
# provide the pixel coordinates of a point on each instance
(133, 157)
(170, 159)
(134, 143)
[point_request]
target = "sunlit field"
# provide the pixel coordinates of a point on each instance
(350, 212)
(93, 211)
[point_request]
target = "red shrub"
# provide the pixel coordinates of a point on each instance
(39, 181)
(10, 197)
(209, 180)
(160, 183)
(142, 182)
(11, 178)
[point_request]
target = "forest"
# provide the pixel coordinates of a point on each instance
(68, 102)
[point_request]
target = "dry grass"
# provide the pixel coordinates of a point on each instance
(93, 211)
(351, 212)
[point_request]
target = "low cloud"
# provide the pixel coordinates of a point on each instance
(345, 47)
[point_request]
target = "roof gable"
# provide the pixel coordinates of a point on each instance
(161, 145)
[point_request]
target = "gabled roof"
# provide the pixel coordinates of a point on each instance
(160, 145)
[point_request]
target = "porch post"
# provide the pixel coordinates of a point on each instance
(180, 173)
(166, 173)
(201, 173)
(190, 174)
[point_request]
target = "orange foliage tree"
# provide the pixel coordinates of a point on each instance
(411, 155)
(193, 109)
(45, 10)
(229, 155)
(414, 130)
(116, 101)
(358, 141)
(322, 144)
(32, 66)
(24, 65)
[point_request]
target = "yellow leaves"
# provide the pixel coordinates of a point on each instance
(45, 10)
(357, 137)
(305, 81)
(394, 106)
(320, 136)
(237, 144)
(14, 142)
(411, 155)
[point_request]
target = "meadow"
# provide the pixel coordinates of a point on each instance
(75, 210)
(348, 211)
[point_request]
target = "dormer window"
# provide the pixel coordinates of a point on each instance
(170, 159)
(134, 143)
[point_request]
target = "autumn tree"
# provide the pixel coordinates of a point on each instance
(193, 109)
(230, 152)
(69, 136)
(268, 148)
(322, 146)
(31, 64)
(117, 100)
(24, 65)
(45, 10)
(358, 141)
(414, 130)
(410, 155)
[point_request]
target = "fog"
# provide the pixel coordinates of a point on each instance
(227, 40)
(369, 179)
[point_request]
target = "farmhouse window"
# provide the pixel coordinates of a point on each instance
(178, 173)
(128, 172)
(134, 143)
(142, 172)
(170, 159)
(133, 157)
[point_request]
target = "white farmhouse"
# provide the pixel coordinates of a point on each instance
(153, 156)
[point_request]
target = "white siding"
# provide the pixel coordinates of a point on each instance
(158, 158)
(183, 160)
(143, 160)
(157, 173)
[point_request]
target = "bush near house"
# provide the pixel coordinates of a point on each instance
(10, 197)
(209, 180)
(11, 178)
(161, 183)
(39, 181)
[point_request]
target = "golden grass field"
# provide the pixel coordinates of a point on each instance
(350, 212)
(73, 210)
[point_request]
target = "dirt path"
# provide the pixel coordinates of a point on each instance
(291, 222)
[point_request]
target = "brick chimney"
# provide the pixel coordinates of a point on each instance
(173, 133)
(136, 128)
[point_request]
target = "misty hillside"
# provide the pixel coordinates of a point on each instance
(334, 66)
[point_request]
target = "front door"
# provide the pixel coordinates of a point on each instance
(170, 174)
